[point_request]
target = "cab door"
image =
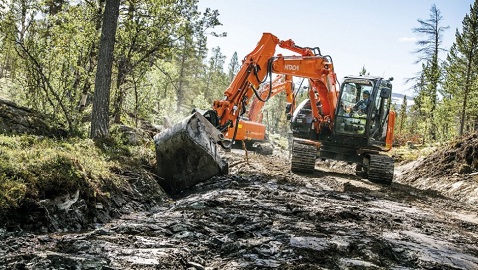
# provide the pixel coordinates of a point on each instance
(381, 115)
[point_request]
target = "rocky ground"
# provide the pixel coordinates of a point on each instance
(263, 216)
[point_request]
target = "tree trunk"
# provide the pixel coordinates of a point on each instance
(101, 100)
(463, 114)
(118, 104)
(180, 90)
(465, 96)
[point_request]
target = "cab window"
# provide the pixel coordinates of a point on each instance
(355, 102)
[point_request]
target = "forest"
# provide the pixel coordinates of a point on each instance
(50, 60)
(87, 87)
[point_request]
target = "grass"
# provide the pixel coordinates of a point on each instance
(36, 168)
(405, 153)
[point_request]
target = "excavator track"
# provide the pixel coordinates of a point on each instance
(303, 157)
(380, 169)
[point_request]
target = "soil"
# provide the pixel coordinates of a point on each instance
(262, 216)
(451, 170)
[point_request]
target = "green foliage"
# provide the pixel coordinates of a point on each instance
(53, 55)
(233, 67)
(443, 116)
(12, 192)
(406, 153)
(402, 116)
(274, 115)
(216, 80)
(49, 55)
(462, 74)
(201, 102)
(177, 37)
(37, 167)
(429, 79)
(163, 100)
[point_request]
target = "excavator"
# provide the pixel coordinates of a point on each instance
(328, 125)
(250, 128)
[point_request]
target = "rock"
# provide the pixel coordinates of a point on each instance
(465, 169)
(411, 145)
(264, 149)
(15, 119)
(130, 135)
(195, 265)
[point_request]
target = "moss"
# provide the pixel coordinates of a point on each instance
(12, 192)
(37, 167)
(58, 175)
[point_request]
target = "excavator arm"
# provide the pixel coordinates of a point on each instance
(250, 128)
(261, 63)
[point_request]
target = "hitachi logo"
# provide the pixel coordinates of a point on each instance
(292, 67)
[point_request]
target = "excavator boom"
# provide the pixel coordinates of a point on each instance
(261, 63)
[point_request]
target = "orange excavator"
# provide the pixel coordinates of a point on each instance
(329, 125)
(250, 128)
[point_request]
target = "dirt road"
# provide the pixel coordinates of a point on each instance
(263, 216)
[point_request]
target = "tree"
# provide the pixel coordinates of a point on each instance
(188, 60)
(101, 100)
(151, 30)
(234, 67)
(364, 71)
(49, 54)
(402, 114)
(419, 112)
(462, 66)
(49, 58)
(428, 53)
(216, 79)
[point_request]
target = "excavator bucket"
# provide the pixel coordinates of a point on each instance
(187, 154)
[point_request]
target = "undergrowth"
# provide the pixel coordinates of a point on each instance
(36, 168)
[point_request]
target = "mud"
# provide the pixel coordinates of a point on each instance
(262, 216)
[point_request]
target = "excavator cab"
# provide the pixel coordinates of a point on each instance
(363, 128)
(365, 118)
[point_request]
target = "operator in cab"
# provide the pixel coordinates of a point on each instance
(362, 105)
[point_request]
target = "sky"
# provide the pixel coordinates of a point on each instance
(375, 34)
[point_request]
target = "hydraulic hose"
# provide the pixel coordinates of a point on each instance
(235, 127)
(269, 74)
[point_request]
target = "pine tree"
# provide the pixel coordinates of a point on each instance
(100, 113)
(428, 50)
(402, 114)
(462, 67)
(216, 79)
(234, 67)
